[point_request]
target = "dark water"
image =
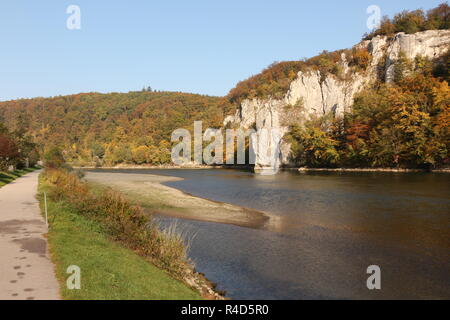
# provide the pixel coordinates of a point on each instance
(332, 227)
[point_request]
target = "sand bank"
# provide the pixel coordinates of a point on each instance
(148, 191)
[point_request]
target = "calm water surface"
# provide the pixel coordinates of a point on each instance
(331, 227)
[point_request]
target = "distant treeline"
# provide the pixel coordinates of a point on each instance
(110, 129)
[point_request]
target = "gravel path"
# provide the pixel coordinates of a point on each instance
(26, 271)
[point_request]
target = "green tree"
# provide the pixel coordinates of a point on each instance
(140, 154)
(401, 67)
(53, 158)
(313, 147)
(9, 152)
(410, 21)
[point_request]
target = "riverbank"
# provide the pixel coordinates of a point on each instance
(366, 170)
(333, 225)
(150, 192)
(135, 167)
(121, 253)
(299, 169)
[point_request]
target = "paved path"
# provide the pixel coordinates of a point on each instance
(26, 271)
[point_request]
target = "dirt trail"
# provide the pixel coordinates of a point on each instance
(26, 271)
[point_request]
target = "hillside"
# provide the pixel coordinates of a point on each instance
(111, 128)
(275, 80)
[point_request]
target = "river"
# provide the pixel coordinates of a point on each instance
(331, 227)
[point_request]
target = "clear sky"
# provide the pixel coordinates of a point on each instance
(200, 46)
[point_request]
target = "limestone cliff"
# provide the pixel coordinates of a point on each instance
(319, 94)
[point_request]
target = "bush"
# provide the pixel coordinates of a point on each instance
(360, 58)
(53, 158)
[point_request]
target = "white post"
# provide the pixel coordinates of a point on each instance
(45, 204)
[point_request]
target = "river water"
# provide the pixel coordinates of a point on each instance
(331, 227)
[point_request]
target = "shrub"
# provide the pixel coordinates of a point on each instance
(272, 81)
(360, 58)
(140, 154)
(53, 158)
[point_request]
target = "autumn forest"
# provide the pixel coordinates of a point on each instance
(401, 124)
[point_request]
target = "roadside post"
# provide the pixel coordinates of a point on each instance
(45, 205)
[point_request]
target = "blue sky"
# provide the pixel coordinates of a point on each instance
(192, 46)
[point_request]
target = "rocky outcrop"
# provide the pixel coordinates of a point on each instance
(431, 44)
(315, 94)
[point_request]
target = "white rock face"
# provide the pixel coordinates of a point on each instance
(431, 44)
(332, 94)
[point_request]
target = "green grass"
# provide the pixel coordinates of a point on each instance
(7, 177)
(108, 270)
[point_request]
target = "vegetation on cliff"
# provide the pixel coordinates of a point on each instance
(414, 21)
(404, 124)
(274, 81)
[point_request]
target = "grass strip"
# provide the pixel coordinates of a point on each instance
(109, 270)
(9, 176)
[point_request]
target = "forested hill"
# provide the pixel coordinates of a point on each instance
(111, 128)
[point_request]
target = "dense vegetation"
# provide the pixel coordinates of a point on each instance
(110, 129)
(123, 221)
(414, 21)
(17, 149)
(404, 124)
(400, 124)
(275, 80)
